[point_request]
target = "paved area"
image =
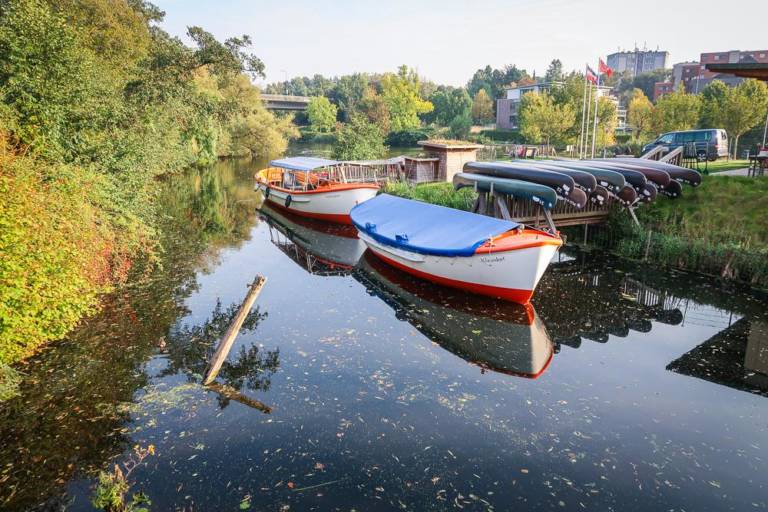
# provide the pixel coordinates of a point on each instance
(732, 172)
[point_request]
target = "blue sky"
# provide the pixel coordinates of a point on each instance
(448, 40)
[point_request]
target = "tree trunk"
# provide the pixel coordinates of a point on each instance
(736, 147)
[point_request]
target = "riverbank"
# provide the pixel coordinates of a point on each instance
(717, 228)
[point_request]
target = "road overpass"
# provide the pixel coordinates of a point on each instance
(285, 102)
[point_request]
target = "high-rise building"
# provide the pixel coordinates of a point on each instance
(638, 61)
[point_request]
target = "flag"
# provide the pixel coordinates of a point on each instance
(591, 75)
(603, 68)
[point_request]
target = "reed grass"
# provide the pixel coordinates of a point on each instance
(442, 194)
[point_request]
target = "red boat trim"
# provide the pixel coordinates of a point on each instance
(330, 217)
(336, 187)
(511, 294)
(512, 241)
(520, 374)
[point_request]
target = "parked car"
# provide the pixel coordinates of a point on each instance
(711, 144)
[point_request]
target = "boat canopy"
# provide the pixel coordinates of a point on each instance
(302, 163)
(425, 228)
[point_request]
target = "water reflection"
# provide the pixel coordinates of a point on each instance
(649, 396)
(499, 336)
(318, 247)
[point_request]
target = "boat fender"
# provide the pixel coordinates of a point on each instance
(266, 192)
(288, 200)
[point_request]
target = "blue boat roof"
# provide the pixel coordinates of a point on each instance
(302, 163)
(425, 228)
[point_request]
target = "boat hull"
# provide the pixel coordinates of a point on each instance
(328, 205)
(510, 275)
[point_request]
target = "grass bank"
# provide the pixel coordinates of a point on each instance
(719, 228)
(725, 165)
(441, 194)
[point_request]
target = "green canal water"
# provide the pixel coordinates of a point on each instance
(355, 387)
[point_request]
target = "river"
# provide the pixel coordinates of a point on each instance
(355, 387)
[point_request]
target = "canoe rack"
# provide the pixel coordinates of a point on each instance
(502, 206)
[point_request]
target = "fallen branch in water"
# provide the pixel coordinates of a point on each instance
(225, 345)
(233, 394)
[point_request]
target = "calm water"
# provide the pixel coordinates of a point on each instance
(353, 386)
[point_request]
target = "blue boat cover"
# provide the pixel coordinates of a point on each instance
(425, 228)
(302, 163)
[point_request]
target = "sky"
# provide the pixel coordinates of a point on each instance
(447, 40)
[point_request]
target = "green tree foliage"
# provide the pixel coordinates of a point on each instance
(554, 71)
(97, 101)
(737, 109)
(712, 103)
(676, 111)
(460, 126)
(543, 120)
(321, 114)
(482, 108)
(401, 94)
(644, 81)
(449, 103)
(374, 107)
(606, 122)
(494, 80)
(640, 116)
(359, 140)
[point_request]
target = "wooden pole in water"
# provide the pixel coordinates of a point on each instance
(225, 345)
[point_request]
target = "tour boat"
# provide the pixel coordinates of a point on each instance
(314, 187)
(496, 336)
(484, 255)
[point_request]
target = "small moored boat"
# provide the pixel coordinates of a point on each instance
(479, 254)
(313, 187)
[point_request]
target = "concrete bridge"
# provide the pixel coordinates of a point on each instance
(285, 102)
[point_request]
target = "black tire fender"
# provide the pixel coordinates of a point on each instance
(266, 192)
(288, 200)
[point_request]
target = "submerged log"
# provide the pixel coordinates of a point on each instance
(233, 394)
(225, 345)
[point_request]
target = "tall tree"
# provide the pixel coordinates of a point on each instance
(359, 140)
(713, 98)
(448, 103)
(676, 111)
(322, 114)
(554, 71)
(494, 80)
(482, 108)
(401, 95)
(543, 120)
(640, 115)
(373, 106)
(739, 109)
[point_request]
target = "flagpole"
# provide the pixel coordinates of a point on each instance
(583, 118)
(594, 128)
(586, 122)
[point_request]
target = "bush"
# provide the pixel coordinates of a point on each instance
(59, 251)
(503, 135)
(359, 140)
(409, 137)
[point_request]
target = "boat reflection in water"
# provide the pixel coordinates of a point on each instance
(321, 248)
(496, 335)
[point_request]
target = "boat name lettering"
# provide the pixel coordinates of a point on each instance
(493, 259)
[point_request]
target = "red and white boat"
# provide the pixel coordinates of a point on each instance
(315, 187)
(476, 253)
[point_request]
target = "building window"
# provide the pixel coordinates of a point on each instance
(762, 55)
(717, 57)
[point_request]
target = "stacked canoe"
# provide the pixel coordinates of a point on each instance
(624, 181)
